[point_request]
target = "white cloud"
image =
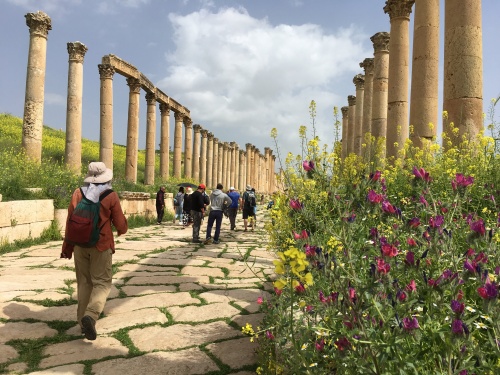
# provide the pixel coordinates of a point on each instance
(241, 76)
(51, 7)
(54, 99)
(113, 6)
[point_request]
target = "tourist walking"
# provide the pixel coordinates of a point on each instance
(233, 208)
(197, 211)
(178, 204)
(93, 265)
(247, 206)
(218, 200)
(186, 208)
(160, 204)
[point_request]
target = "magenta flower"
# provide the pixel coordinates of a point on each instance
(461, 181)
(421, 174)
(414, 222)
(295, 204)
(457, 307)
(320, 345)
(436, 222)
(409, 324)
(373, 197)
(410, 258)
(308, 165)
(269, 335)
(389, 250)
(411, 287)
(388, 208)
(375, 176)
(310, 250)
(469, 266)
(342, 344)
(489, 290)
(478, 227)
(382, 266)
(458, 327)
(423, 201)
(260, 300)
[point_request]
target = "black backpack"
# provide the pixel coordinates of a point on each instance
(250, 201)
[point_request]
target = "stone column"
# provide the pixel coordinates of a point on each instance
(351, 114)
(165, 141)
(399, 45)
(267, 152)
(220, 164)
(188, 148)
(39, 24)
(132, 130)
(380, 85)
(210, 159)
(425, 70)
(255, 168)
(149, 168)
(215, 169)
(73, 149)
(359, 82)
(367, 65)
(273, 180)
(237, 167)
(225, 164)
(242, 174)
(196, 152)
(179, 120)
(345, 125)
(249, 154)
(203, 156)
(463, 69)
(232, 165)
(106, 72)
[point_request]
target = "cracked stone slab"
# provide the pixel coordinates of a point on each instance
(27, 310)
(184, 287)
(254, 319)
(123, 274)
(235, 353)
(51, 295)
(76, 369)
(7, 296)
(184, 362)
(7, 353)
(140, 280)
(23, 330)
(180, 336)
(121, 305)
(144, 268)
(82, 350)
(202, 313)
(172, 262)
(132, 290)
(202, 271)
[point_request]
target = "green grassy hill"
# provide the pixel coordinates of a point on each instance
(57, 182)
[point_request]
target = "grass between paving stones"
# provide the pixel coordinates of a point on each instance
(224, 369)
(49, 302)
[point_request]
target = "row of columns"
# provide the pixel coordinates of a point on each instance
(205, 158)
(381, 107)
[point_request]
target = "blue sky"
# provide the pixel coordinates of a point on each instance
(241, 67)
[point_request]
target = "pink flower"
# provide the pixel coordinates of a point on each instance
(382, 266)
(409, 324)
(411, 242)
(308, 165)
(461, 181)
(373, 197)
(320, 345)
(269, 335)
(260, 300)
(295, 204)
(374, 177)
(421, 174)
(387, 207)
(352, 294)
(411, 287)
(478, 227)
(423, 201)
(389, 250)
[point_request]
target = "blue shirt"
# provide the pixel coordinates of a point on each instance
(235, 197)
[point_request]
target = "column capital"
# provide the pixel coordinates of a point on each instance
(216, 140)
(398, 8)
(134, 84)
(106, 71)
(381, 41)
(225, 145)
(266, 150)
(204, 133)
(77, 51)
(150, 98)
(344, 111)
(39, 23)
(188, 123)
(197, 128)
(179, 116)
(248, 146)
(367, 65)
(257, 150)
(359, 81)
(210, 136)
(232, 144)
(351, 99)
(165, 109)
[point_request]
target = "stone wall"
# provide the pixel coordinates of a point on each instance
(23, 219)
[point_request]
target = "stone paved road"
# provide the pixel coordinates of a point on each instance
(175, 307)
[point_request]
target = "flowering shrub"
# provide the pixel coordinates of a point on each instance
(385, 271)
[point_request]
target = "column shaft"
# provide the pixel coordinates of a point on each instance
(179, 119)
(351, 99)
(106, 73)
(345, 125)
(196, 152)
(367, 65)
(165, 141)
(359, 81)
(132, 130)
(248, 171)
(203, 156)
(215, 169)
(210, 159)
(188, 148)
(149, 168)
(220, 164)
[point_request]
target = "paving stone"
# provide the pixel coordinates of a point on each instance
(17, 368)
(131, 290)
(229, 286)
(51, 295)
(180, 335)
(81, 350)
(23, 330)
(121, 305)
(7, 296)
(7, 353)
(141, 246)
(172, 262)
(28, 310)
(235, 353)
(141, 280)
(35, 279)
(185, 287)
(202, 271)
(183, 362)
(202, 313)
(123, 274)
(75, 369)
(254, 319)
(113, 293)
(235, 282)
(145, 268)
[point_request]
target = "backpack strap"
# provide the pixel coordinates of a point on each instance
(104, 195)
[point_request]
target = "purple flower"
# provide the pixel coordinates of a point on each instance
(489, 290)
(469, 266)
(373, 197)
(308, 165)
(414, 223)
(461, 181)
(387, 207)
(421, 174)
(458, 327)
(410, 324)
(423, 201)
(457, 307)
(295, 204)
(478, 227)
(410, 258)
(436, 222)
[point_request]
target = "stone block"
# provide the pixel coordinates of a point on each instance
(5, 214)
(60, 215)
(44, 210)
(36, 228)
(22, 212)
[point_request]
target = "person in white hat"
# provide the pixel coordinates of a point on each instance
(93, 265)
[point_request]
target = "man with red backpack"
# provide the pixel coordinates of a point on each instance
(93, 258)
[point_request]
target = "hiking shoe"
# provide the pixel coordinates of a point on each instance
(196, 241)
(208, 240)
(88, 328)
(216, 242)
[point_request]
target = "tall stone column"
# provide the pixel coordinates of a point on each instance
(463, 69)
(399, 45)
(179, 120)
(225, 164)
(367, 65)
(249, 155)
(73, 149)
(255, 168)
(132, 130)
(359, 82)
(215, 170)
(210, 158)
(242, 174)
(232, 165)
(196, 152)
(149, 168)
(106, 72)
(351, 130)
(380, 86)
(424, 73)
(345, 125)
(203, 156)
(220, 163)
(237, 167)
(273, 180)
(165, 141)
(267, 180)
(188, 148)
(39, 24)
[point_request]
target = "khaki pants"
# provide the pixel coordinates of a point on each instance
(93, 277)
